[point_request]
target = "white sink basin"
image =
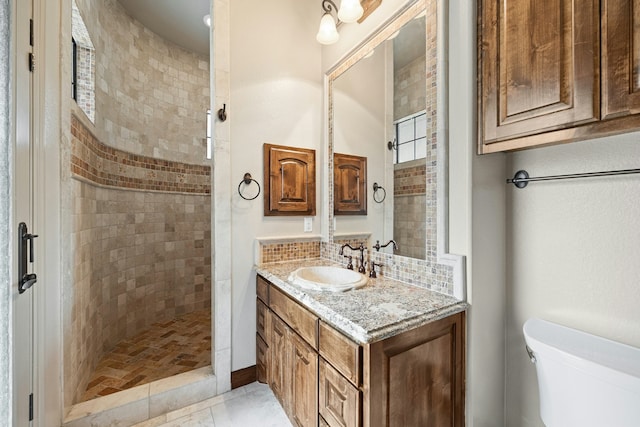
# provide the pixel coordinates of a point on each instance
(333, 279)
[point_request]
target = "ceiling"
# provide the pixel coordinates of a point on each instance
(179, 21)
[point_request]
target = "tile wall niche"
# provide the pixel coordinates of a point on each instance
(142, 247)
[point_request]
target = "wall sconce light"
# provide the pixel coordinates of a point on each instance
(350, 11)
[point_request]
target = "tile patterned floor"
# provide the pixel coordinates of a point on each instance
(253, 405)
(163, 350)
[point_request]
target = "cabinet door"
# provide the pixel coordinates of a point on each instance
(620, 58)
(277, 375)
(350, 184)
(417, 378)
(339, 400)
(304, 382)
(539, 68)
(262, 360)
(290, 180)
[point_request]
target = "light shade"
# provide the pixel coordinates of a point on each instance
(350, 11)
(327, 33)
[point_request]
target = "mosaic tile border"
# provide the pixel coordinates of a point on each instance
(111, 167)
(288, 251)
(406, 183)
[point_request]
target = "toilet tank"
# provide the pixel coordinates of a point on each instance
(583, 380)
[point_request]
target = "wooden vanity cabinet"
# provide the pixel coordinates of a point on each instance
(323, 378)
(556, 71)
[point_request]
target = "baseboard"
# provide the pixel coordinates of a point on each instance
(243, 377)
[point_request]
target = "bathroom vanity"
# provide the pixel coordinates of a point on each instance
(388, 354)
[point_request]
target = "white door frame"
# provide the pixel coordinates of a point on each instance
(44, 128)
(21, 167)
(49, 87)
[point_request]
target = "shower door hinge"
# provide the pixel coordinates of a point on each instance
(32, 58)
(31, 407)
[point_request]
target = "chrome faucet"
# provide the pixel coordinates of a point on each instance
(377, 246)
(361, 268)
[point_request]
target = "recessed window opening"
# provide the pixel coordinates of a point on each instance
(84, 65)
(411, 137)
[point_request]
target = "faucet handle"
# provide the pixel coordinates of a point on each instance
(362, 268)
(372, 271)
(350, 263)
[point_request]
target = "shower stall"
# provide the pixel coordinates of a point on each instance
(138, 307)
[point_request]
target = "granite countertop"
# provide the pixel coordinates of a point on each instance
(381, 309)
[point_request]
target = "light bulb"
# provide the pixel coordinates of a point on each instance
(350, 11)
(207, 20)
(327, 33)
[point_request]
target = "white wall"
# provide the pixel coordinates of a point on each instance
(276, 97)
(5, 258)
(476, 227)
(573, 252)
(359, 110)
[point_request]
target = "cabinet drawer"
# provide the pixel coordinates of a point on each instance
(262, 289)
(339, 400)
(262, 360)
(341, 352)
(262, 320)
(296, 316)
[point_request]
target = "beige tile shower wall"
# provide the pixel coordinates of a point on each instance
(141, 257)
(409, 209)
(151, 95)
(408, 88)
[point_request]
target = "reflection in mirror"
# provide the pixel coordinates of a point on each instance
(381, 112)
(83, 65)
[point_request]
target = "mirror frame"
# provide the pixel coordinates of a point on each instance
(410, 11)
(441, 257)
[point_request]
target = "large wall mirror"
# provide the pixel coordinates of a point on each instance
(382, 107)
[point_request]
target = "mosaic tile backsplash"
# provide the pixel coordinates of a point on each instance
(289, 251)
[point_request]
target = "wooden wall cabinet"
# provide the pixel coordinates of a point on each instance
(556, 71)
(290, 180)
(415, 378)
(349, 184)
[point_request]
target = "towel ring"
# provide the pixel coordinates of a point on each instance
(377, 187)
(246, 181)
